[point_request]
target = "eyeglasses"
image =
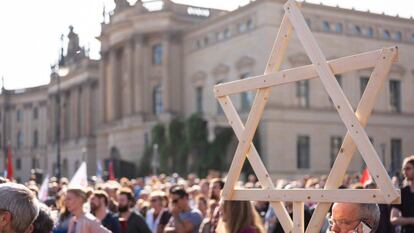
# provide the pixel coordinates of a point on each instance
(153, 200)
(342, 222)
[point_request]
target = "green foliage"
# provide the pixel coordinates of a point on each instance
(183, 147)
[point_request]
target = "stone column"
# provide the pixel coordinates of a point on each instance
(165, 78)
(138, 74)
(110, 104)
(126, 79)
(86, 114)
(103, 74)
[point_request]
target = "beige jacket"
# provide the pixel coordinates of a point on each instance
(86, 223)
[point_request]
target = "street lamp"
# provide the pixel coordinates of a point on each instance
(61, 72)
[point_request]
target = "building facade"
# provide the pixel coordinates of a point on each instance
(158, 64)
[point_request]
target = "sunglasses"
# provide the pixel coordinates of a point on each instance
(174, 201)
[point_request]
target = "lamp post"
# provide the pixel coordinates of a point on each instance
(61, 72)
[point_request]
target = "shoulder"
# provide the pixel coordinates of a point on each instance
(193, 215)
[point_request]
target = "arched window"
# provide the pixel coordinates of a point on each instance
(157, 100)
(386, 35)
(326, 27)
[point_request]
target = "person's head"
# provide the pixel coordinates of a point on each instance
(179, 198)
(204, 187)
(408, 168)
(43, 223)
(348, 217)
(126, 199)
(202, 204)
(99, 199)
(18, 208)
(246, 216)
(157, 200)
(216, 187)
(74, 199)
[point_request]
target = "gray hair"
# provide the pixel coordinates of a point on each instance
(370, 214)
(21, 203)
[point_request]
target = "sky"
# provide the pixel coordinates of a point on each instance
(30, 30)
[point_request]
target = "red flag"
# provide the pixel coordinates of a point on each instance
(111, 171)
(365, 176)
(9, 164)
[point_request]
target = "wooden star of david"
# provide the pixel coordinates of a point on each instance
(355, 122)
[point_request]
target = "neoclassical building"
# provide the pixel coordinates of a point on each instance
(160, 63)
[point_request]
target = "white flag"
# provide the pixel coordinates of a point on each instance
(80, 178)
(44, 189)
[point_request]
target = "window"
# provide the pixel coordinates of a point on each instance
(35, 139)
(19, 115)
(412, 37)
(157, 100)
(370, 32)
(65, 167)
(363, 82)
(386, 35)
(308, 22)
(219, 109)
(19, 140)
(227, 33)
(395, 95)
(35, 113)
(302, 93)
(338, 28)
(18, 164)
(398, 36)
(199, 44)
(303, 152)
(35, 163)
(242, 27)
(356, 30)
(199, 99)
(157, 54)
(206, 40)
(246, 98)
(336, 143)
(250, 24)
(339, 80)
(326, 26)
(396, 151)
(220, 36)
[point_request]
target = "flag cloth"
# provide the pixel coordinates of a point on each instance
(366, 177)
(80, 178)
(99, 169)
(111, 171)
(9, 163)
(44, 189)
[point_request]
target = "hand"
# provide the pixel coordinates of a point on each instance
(175, 211)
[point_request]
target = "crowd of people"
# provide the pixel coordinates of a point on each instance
(167, 204)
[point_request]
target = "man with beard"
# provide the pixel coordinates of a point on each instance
(184, 218)
(131, 222)
(99, 207)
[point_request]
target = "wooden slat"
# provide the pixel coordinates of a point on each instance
(314, 195)
(348, 148)
(298, 217)
(338, 66)
(338, 97)
(274, 63)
